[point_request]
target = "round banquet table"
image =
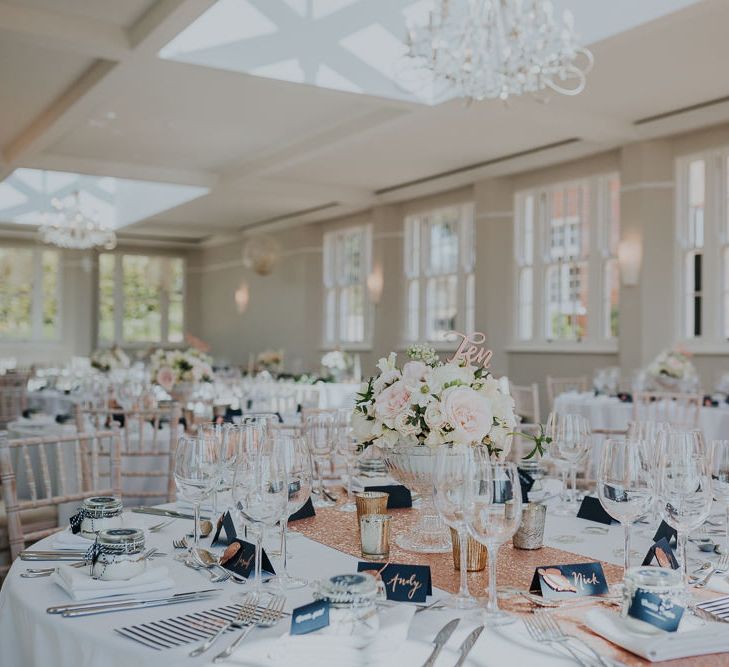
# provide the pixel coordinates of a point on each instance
(608, 412)
(29, 637)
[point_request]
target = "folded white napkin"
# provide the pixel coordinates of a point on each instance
(718, 584)
(360, 483)
(67, 540)
(80, 586)
(694, 637)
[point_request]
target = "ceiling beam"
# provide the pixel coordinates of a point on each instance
(55, 30)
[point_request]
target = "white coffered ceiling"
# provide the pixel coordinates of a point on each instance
(83, 89)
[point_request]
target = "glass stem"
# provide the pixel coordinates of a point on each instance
(573, 485)
(463, 548)
(681, 539)
(626, 561)
(349, 481)
(214, 498)
(196, 528)
(259, 550)
(284, 523)
(493, 603)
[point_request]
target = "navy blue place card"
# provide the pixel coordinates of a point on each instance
(399, 496)
(309, 618)
(664, 530)
(650, 608)
(305, 512)
(526, 481)
(225, 531)
(239, 557)
(402, 583)
(592, 510)
(569, 581)
(662, 554)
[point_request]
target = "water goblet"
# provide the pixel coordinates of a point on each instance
(319, 433)
(719, 469)
(570, 435)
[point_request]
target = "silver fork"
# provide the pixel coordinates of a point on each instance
(247, 613)
(181, 543)
(267, 619)
(558, 635)
(159, 526)
(722, 566)
(215, 578)
(539, 635)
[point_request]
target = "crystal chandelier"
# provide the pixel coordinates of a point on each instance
(70, 227)
(494, 49)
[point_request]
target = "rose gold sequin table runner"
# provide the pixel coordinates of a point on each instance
(338, 530)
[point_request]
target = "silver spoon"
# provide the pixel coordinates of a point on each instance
(208, 560)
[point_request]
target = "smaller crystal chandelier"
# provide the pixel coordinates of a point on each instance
(69, 227)
(494, 49)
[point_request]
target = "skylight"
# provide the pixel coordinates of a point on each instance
(355, 45)
(25, 196)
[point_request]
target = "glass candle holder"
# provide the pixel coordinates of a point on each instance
(375, 536)
(371, 502)
(664, 583)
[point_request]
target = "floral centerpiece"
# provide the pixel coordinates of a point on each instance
(110, 359)
(169, 368)
(270, 360)
(672, 370)
(433, 403)
(336, 363)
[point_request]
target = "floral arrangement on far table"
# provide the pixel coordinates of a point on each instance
(110, 359)
(270, 360)
(673, 369)
(434, 403)
(171, 367)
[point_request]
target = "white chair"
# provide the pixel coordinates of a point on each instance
(526, 406)
(560, 385)
(679, 410)
(13, 396)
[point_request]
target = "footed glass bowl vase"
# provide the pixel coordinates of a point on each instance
(412, 465)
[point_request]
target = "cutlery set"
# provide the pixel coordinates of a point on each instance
(544, 629)
(105, 606)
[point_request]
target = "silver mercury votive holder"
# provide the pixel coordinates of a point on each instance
(531, 529)
(375, 536)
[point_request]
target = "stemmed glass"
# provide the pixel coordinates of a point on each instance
(319, 433)
(197, 470)
(299, 474)
(493, 516)
(451, 480)
(260, 491)
(214, 432)
(625, 484)
(719, 469)
(570, 435)
(348, 447)
(684, 485)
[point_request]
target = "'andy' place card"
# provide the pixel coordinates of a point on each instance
(239, 557)
(403, 583)
(569, 581)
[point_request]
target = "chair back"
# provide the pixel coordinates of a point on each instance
(147, 449)
(56, 469)
(13, 396)
(557, 386)
(679, 410)
(526, 402)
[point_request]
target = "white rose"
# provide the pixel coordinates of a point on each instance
(391, 402)
(434, 415)
(440, 376)
(469, 414)
(362, 427)
(403, 423)
(387, 377)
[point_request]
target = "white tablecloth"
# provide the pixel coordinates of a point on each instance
(52, 401)
(29, 637)
(606, 412)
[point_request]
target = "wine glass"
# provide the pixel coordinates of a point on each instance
(260, 491)
(197, 470)
(299, 474)
(570, 435)
(214, 432)
(493, 515)
(319, 433)
(684, 485)
(719, 469)
(625, 484)
(348, 447)
(451, 479)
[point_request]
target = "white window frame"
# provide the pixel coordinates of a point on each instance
(600, 253)
(334, 284)
(715, 253)
(119, 306)
(417, 274)
(36, 303)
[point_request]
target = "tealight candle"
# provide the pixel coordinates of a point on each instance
(121, 554)
(100, 513)
(375, 535)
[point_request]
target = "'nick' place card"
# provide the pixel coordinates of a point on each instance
(402, 583)
(569, 581)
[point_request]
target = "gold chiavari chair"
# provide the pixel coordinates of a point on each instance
(13, 396)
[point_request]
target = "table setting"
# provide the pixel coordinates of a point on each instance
(263, 563)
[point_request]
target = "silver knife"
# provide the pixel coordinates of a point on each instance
(444, 634)
(58, 609)
(140, 604)
(158, 511)
(467, 645)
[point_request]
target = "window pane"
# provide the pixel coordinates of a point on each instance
(528, 231)
(351, 313)
(612, 292)
(413, 310)
(176, 309)
(351, 266)
(106, 298)
(443, 250)
(697, 194)
(566, 307)
(141, 286)
(329, 315)
(50, 283)
(470, 303)
(16, 292)
(526, 300)
(725, 293)
(441, 306)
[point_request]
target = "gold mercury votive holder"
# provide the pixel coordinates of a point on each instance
(374, 533)
(371, 502)
(476, 553)
(531, 529)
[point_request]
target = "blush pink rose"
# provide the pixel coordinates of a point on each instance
(391, 402)
(165, 378)
(468, 412)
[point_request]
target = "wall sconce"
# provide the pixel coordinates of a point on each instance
(242, 296)
(630, 258)
(375, 284)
